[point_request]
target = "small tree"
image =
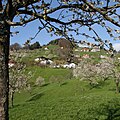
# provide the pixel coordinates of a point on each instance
(109, 68)
(35, 45)
(86, 71)
(17, 78)
(40, 81)
(15, 46)
(65, 50)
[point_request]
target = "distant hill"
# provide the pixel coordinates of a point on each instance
(53, 42)
(62, 42)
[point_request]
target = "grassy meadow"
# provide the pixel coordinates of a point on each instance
(71, 100)
(63, 97)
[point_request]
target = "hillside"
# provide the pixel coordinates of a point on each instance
(63, 97)
(74, 100)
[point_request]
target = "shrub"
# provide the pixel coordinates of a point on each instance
(40, 81)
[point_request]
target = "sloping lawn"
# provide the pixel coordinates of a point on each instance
(73, 100)
(47, 73)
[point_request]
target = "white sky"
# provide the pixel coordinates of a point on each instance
(116, 46)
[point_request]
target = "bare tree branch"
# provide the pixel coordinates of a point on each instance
(20, 23)
(102, 13)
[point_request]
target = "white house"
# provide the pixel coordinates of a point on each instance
(71, 65)
(46, 48)
(43, 61)
(95, 49)
(102, 56)
(37, 60)
(11, 63)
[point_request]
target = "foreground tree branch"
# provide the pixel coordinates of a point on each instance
(103, 13)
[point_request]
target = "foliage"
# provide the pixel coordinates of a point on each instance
(18, 80)
(15, 46)
(102, 71)
(53, 42)
(86, 70)
(35, 45)
(65, 98)
(40, 81)
(65, 44)
(65, 49)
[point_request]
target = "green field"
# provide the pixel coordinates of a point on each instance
(63, 97)
(72, 100)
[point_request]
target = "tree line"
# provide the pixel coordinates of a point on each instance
(17, 46)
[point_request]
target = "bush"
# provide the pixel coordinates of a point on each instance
(57, 79)
(40, 81)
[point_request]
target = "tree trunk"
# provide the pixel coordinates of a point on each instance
(117, 86)
(12, 98)
(4, 71)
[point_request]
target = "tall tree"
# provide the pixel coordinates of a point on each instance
(57, 17)
(35, 45)
(15, 46)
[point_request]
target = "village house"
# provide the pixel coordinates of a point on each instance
(95, 49)
(43, 60)
(76, 50)
(85, 49)
(103, 57)
(46, 48)
(11, 63)
(85, 56)
(69, 65)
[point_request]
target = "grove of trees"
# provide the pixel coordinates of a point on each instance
(58, 17)
(15, 47)
(100, 72)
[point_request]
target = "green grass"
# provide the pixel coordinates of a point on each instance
(47, 73)
(74, 100)
(32, 54)
(64, 97)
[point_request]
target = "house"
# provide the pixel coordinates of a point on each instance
(56, 66)
(85, 56)
(76, 50)
(77, 56)
(70, 65)
(11, 63)
(85, 49)
(95, 49)
(46, 48)
(43, 61)
(61, 48)
(102, 56)
(38, 59)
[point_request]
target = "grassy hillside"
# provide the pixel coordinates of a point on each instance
(74, 100)
(63, 97)
(49, 73)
